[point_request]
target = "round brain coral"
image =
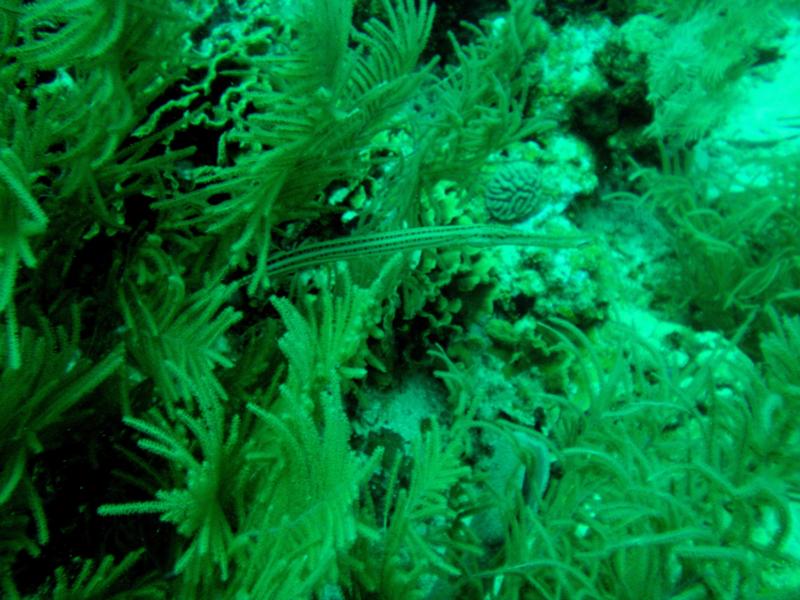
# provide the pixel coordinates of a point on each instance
(515, 192)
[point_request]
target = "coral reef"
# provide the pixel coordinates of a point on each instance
(387, 299)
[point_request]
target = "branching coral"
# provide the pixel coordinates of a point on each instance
(208, 491)
(209, 183)
(35, 401)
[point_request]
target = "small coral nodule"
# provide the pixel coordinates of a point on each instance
(515, 192)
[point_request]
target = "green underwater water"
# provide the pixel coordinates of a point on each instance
(360, 299)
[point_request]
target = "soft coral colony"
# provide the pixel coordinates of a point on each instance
(358, 299)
